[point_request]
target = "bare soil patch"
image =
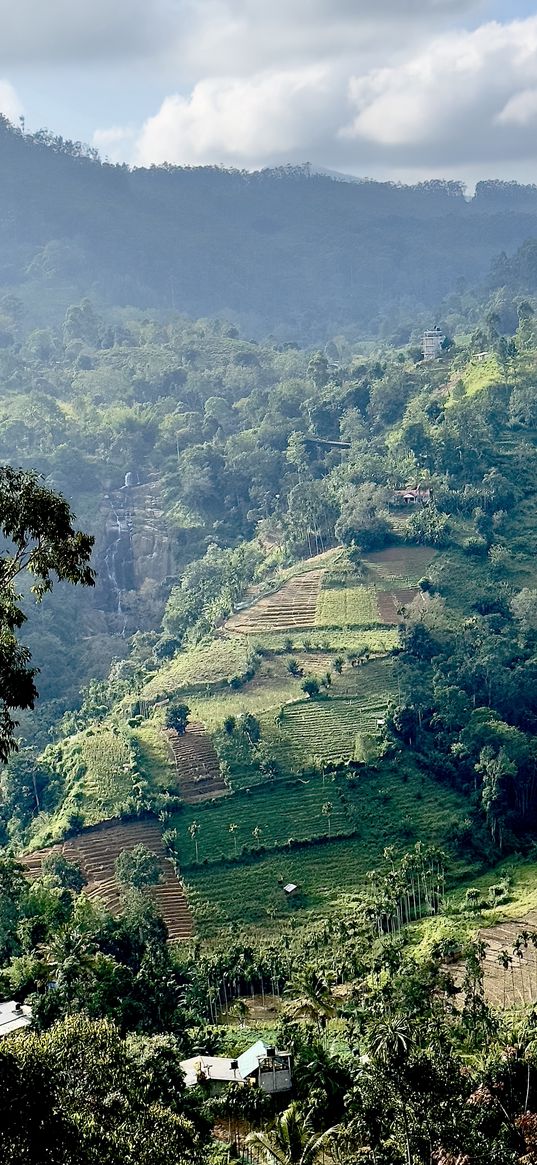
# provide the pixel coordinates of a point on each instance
(290, 608)
(196, 765)
(96, 850)
(390, 603)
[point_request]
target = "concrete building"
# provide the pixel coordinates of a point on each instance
(260, 1066)
(432, 344)
(14, 1017)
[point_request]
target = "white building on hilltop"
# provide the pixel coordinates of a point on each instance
(432, 343)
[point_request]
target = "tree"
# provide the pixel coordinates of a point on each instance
(363, 518)
(41, 543)
(311, 687)
(177, 714)
(193, 830)
(290, 1141)
(64, 873)
(327, 810)
(138, 868)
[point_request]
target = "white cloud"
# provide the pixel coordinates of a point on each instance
(521, 109)
(10, 105)
(52, 31)
(245, 121)
(204, 35)
(463, 97)
(455, 98)
(114, 143)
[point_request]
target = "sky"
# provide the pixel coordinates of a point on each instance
(400, 89)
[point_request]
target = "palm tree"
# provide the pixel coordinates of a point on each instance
(257, 833)
(390, 1042)
(327, 810)
(312, 996)
(193, 830)
(290, 1140)
(233, 827)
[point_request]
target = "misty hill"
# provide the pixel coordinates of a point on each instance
(288, 251)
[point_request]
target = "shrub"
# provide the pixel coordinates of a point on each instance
(177, 715)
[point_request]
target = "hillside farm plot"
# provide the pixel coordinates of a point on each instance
(196, 766)
(96, 850)
(328, 729)
(376, 640)
(279, 811)
(153, 753)
(399, 567)
(354, 606)
(292, 606)
(207, 664)
(100, 775)
(394, 812)
(391, 602)
(515, 983)
(374, 681)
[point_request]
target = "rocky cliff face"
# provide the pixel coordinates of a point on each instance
(136, 549)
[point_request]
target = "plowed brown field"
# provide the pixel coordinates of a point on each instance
(196, 765)
(96, 850)
(292, 607)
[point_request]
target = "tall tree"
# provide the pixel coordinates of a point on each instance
(40, 542)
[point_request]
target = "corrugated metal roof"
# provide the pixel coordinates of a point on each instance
(213, 1067)
(13, 1017)
(249, 1061)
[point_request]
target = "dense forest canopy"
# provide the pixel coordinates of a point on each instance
(288, 251)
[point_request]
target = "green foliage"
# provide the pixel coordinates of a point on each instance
(41, 542)
(138, 868)
(177, 715)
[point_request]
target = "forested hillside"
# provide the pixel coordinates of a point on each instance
(280, 782)
(286, 251)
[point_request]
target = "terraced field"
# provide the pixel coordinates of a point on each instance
(375, 680)
(279, 811)
(96, 850)
(328, 729)
(353, 606)
(196, 765)
(292, 606)
(391, 602)
(516, 983)
(207, 664)
(388, 811)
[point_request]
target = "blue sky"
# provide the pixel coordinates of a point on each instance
(407, 89)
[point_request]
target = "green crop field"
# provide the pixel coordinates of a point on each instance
(152, 753)
(328, 728)
(376, 640)
(399, 809)
(398, 566)
(354, 606)
(280, 810)
(375, 681)
(208, 663)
